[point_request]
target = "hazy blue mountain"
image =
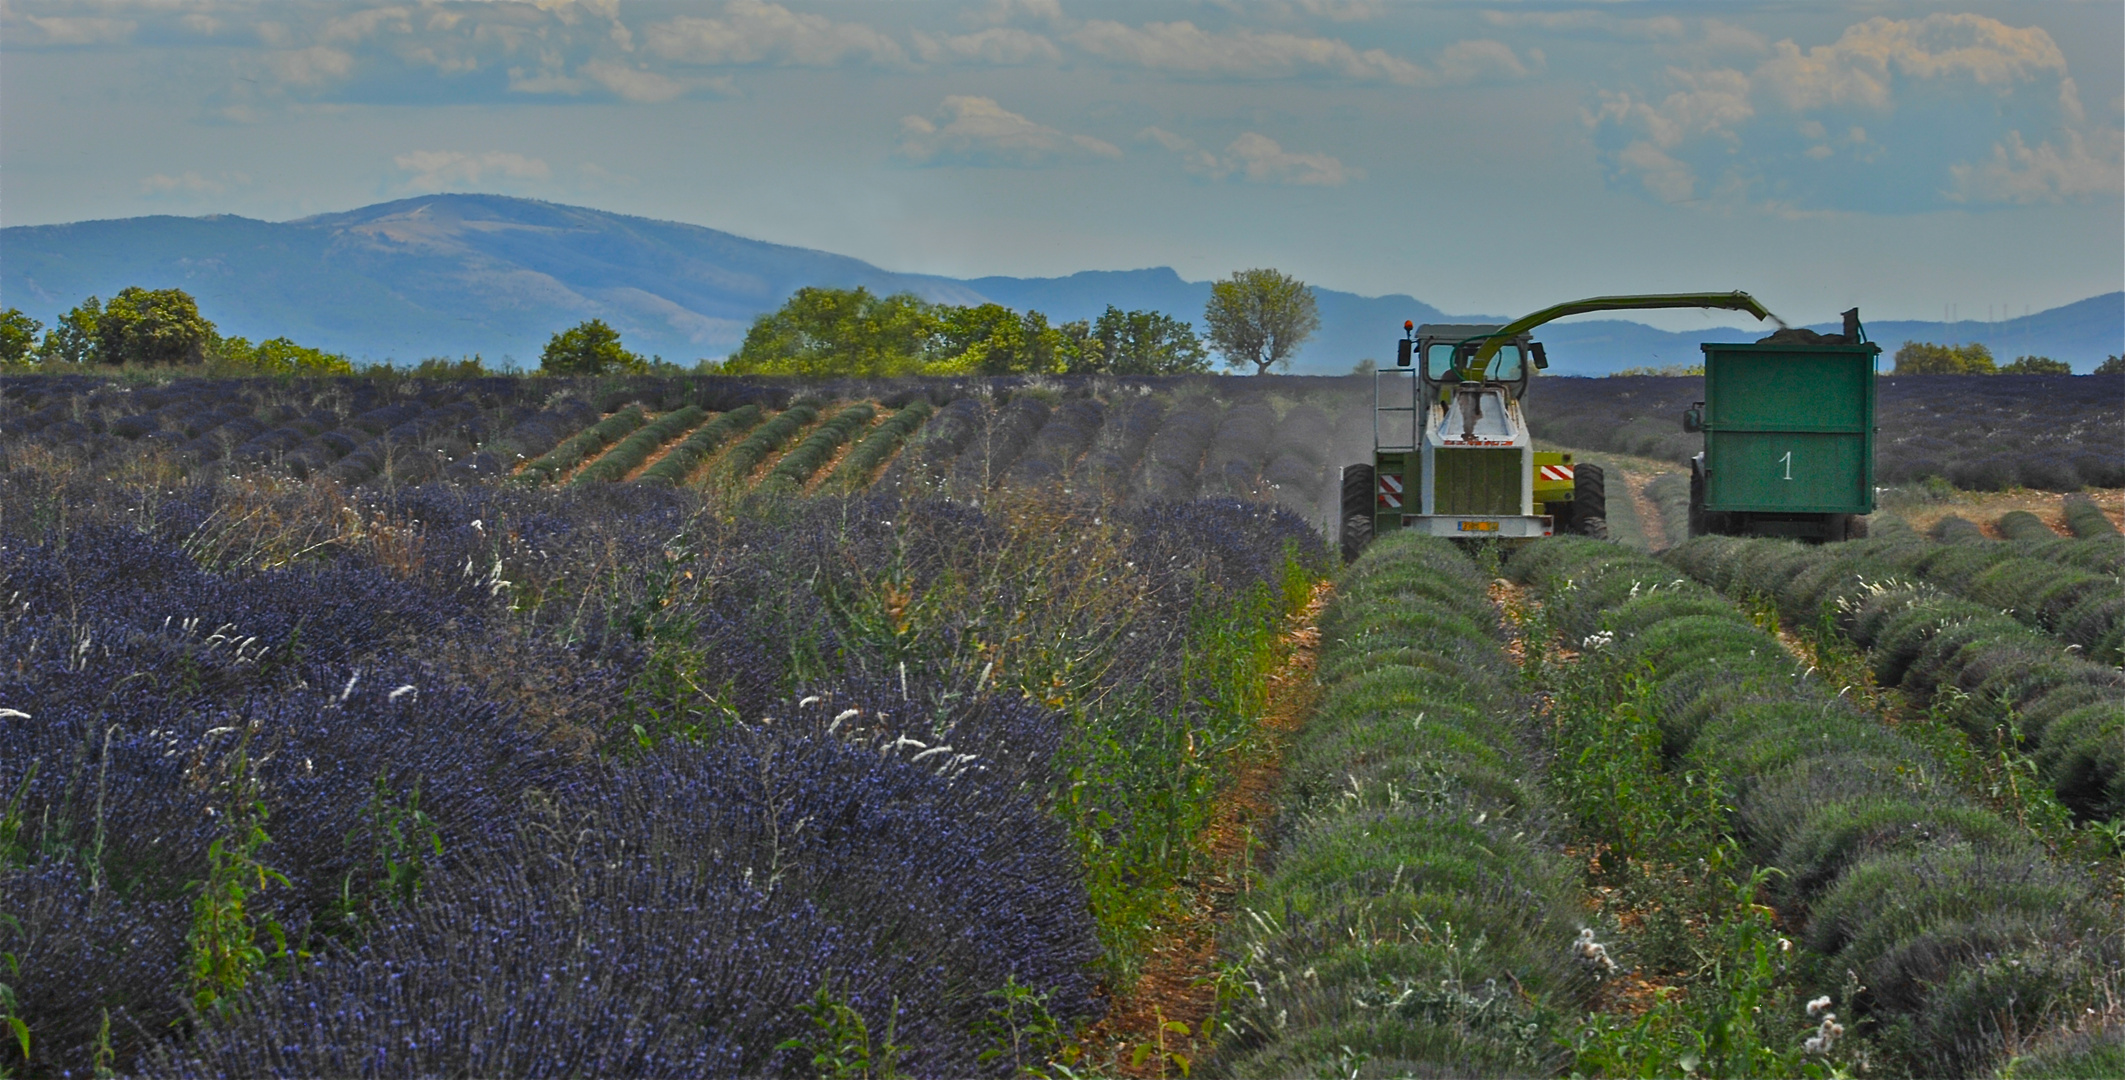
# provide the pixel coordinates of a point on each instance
(445, 275)
(451, 275)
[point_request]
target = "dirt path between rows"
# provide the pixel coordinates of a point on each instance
(1175, 981)
(1649, 520)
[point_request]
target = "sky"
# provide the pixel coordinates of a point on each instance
(1913, 159)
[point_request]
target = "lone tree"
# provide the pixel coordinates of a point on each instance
(1260, 317)
(588, 348)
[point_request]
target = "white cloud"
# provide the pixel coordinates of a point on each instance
(1597, 23)
(1188, 49)
(1861, 66)
(1255, 158)
(314, 66)
(997, 45)
(1740, 124)
(434, 170)
(750, 32)
(1003, 12)
(634, 84)
(2020, 173)
(1667, 179)
(191, 183)
(545, 81)
(81, 29)
(978, 131)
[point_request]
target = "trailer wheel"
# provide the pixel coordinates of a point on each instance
(1590, 509)
(1356, 524)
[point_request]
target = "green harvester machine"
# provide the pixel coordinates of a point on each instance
(1453, 456)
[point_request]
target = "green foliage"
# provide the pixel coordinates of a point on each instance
(9, 1007)
(72, 340)
(840, 1041)
(152, 327)
(743, 458)
(223, 941)
(993, 340)
(1260, 317)
(2111, 365)
(854, 472)
(1413, 917)
(18, 337)
(680, 461)
(636, 448)
(581, 446)
(280, 356)
(403, 838)
(1925, 358)
(437, 367)
(1022, 1031)
(838, 332)
(806, 458)
(2036, 365)
(589, 347)
(821, 332)
(1139, 343)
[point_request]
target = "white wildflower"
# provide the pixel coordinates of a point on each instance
(1592, 953)
(1818, 1005)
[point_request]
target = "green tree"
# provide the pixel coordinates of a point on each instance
(2036, 365)
(1141, 343)
(153, 327)
(18, 337)
(72, 340)
(991, 339)
(589, 347)
(1926, 358)
(281, 356)
(838, 332)
(2111, 365)
(1260, 317)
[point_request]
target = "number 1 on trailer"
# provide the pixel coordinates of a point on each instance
(1788, 460)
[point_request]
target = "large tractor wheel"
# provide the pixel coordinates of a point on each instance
(1356, 529)
(1590, 501)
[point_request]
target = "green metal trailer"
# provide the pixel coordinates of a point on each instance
(1788, 438)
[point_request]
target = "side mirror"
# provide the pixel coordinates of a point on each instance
(1402, 352)
(1541, 356)
(1693, 418)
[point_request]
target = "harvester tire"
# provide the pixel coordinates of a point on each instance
(1356, 525)
(1590, 504)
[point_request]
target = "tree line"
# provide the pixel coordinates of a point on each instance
(1257, 320)
(151, 328)
(1927, 358)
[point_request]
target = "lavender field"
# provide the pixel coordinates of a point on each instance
(688, 726)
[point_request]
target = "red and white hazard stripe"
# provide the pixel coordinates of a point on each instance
(1390, 490)
(1556, 472)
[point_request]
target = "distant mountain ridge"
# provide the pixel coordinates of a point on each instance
(451, 275)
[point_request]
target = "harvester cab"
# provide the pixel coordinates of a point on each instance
(1452, 453)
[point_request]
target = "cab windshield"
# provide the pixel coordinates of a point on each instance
(1505, 365)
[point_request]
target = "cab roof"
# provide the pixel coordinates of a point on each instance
(1458, 331)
